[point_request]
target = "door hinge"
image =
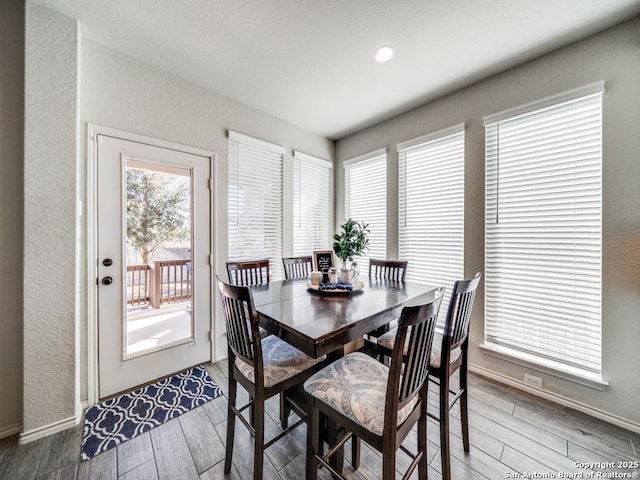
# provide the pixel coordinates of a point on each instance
(211, 184)
(210, 260)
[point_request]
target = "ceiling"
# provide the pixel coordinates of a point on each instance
(310, 62)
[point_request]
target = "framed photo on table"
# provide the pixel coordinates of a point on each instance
(322, 259)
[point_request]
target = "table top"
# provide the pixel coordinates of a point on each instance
(318, 324)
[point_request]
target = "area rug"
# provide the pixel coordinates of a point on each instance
(122, 418)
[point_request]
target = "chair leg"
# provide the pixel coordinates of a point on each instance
(231, 423)
(389, 463)
(313, 442)
(422, 441)
(285, 411)
(355, 452)
(444, 427)
(464, 415)
(258, 446)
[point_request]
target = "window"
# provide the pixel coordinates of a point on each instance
(312, 204)
(543, 232)
(255, 201)
(366, 200)
(431, 209)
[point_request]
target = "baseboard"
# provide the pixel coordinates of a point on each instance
(554, 397)
(37, 433)
(10, 430)
(220, 358)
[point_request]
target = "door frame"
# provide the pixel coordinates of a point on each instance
(93, 130)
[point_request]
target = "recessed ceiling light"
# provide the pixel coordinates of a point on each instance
(383, 53)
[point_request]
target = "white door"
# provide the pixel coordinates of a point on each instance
(154, 246)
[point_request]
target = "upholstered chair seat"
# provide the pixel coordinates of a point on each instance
(356, 386)
(388, 338)
(281, 361)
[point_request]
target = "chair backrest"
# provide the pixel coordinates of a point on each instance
(248, 273)
(456, 327)
(241, 321)
(388, 269)
(409, 368)
(297, 267)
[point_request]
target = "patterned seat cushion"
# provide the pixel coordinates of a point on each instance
(280, 361)
(356, 387)
(388, 339)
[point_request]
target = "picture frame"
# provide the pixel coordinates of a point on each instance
(322, 259)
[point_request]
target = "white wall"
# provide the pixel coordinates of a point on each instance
(115, 91)
(51, 397)
(11, 212)
(123, 93)
(613, 55)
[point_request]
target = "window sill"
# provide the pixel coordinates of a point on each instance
(544, 366)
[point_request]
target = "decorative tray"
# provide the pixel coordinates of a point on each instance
(357, 287)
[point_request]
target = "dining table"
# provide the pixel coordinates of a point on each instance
(324, 322)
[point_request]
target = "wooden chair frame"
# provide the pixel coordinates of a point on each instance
(455, 335)
(388, 269)
(395, 270)
(408, 378)
(248, 273)
(297, 267)
(244, 343)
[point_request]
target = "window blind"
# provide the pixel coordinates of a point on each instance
(312, 203)
(366, 200)
(543, 233)
(431, 209)
(255, 201)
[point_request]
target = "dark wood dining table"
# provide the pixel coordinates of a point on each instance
(322, 324)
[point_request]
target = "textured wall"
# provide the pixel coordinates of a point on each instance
(120, 92)
(613, 55)
(11, 209)
(51, 65)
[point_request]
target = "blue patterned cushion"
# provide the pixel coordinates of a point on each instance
(388, 339)
(356, 387)
(280, 361)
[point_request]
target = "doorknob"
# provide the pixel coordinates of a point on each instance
(107, 262)
(107, 281)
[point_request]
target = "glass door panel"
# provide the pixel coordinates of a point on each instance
(157, 251)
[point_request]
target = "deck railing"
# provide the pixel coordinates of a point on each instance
(162, 282)
(170, 281)
(137, 284)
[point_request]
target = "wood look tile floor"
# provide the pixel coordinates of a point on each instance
(511, 433)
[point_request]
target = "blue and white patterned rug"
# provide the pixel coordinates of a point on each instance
(122, 418)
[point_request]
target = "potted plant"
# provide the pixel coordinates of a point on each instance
(350, 242)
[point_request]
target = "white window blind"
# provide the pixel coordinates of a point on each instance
(543, 232)
(255, 201)
(431, 209)
(366, 200)
(312, 203)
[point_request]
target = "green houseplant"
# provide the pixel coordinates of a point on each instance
(352, 240)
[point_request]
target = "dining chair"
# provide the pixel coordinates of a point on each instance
(449, 354)
(248, 273)
(264, 367)
(388, 269)
(297, 267)
(375, 403)
(395, 270)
